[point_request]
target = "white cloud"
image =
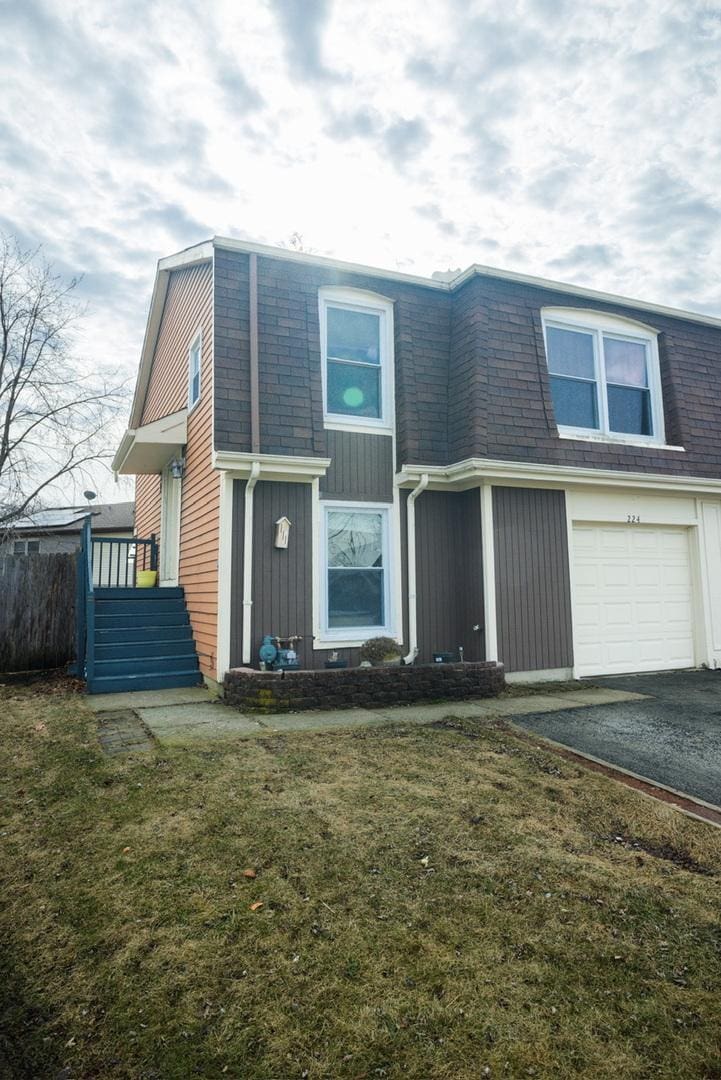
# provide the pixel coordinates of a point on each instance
(543, 137)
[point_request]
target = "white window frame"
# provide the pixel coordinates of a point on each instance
(356, 635)
(196, 343)
(369, 304)
(597, 325)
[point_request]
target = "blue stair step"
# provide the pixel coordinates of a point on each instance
(129, 621)
(174, 592)
(141, 635)
(114, 650)
(157, 680)
(146, 608)
(141, 665)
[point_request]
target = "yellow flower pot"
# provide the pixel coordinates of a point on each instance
(145, 579)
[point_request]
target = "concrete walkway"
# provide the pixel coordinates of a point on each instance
(180, 716)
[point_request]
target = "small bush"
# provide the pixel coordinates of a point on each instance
(378, 649)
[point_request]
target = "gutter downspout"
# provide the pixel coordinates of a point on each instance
(412, 605)
(248, 559)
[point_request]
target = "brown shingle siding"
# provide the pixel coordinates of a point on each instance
(470, 372)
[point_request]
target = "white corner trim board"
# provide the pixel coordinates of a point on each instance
(489, 573)
(225, 562)
(248, 559)
(412, 594)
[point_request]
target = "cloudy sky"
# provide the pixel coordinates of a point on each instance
(575, 141)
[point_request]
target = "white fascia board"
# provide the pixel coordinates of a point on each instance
(227, 244)
(478, 270)
(473, 471)
(272, 466)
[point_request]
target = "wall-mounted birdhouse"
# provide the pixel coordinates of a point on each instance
(282, 532)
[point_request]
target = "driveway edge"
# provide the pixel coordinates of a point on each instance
(679, 800)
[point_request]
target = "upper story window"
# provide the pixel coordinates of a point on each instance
(194, 371)
(604, 376)
(357, 357)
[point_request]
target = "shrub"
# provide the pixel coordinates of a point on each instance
(378, 649)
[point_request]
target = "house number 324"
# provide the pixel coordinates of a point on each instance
(633, 519)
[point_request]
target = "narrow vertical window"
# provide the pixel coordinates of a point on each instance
(194, 373)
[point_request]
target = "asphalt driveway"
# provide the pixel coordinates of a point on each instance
(673, 736)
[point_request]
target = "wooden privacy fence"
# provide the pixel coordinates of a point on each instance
(37, 611)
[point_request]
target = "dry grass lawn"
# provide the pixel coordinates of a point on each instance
(445, 902)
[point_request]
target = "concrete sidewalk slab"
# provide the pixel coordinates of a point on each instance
(149, 699)
(205, 718)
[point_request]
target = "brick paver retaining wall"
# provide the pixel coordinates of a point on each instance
(348, 688)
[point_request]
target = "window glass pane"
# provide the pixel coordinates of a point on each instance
(353, 335)
(570, 352)
(629, 410)
(353, 390)
(625, 362)
(574, 403)
(195, 389)
(33, 547)
(355, 598)
(355, 539)
(19, 547)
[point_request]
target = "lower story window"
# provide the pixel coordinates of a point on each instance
(356, 571)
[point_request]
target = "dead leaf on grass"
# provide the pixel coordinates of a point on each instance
(257, 905)
(249, 873)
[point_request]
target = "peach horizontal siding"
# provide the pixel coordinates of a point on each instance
(189, 307)
(147, 506)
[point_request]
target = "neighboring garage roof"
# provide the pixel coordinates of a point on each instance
(107, 517)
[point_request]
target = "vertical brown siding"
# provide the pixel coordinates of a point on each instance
(449, 573)
(236, 574)
(361, 467)
(282, 579)
(533, 593)
(189, 307)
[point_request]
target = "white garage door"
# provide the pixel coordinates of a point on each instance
(633, 599)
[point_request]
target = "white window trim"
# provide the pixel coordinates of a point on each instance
(369, 303)
(598, 324)
(196, 341)
(332, 637)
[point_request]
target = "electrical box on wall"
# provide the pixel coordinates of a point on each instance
(282, 532)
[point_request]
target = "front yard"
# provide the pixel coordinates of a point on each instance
(427, 902)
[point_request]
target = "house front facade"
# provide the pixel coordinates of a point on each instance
(519, 469)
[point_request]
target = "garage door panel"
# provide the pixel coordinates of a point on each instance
(632, 599)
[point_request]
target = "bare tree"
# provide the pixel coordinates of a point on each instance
(53, 414)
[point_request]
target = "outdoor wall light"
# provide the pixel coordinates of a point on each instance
(177, 468)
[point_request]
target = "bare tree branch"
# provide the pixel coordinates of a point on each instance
(54, 416)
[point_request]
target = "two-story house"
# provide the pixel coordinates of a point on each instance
(525, 469)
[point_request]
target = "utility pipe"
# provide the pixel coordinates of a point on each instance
(248, 558)
(412, 605)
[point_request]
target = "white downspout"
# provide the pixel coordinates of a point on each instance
(248, 559)
(412, 604)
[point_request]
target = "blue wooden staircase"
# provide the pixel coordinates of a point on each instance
(143, 641)
(129, 638)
